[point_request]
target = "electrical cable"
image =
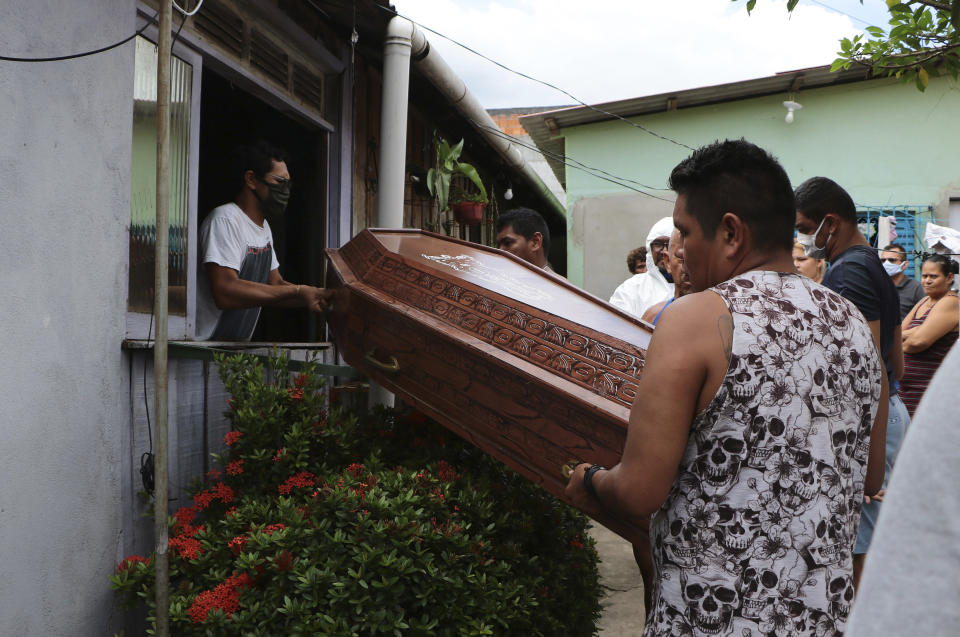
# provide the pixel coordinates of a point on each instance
(73, 56)
(582, 167)
(187, 14)
(565, 158)
(835, 10)
(533, 79)
(146, 458)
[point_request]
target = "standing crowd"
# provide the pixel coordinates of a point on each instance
(787, 359)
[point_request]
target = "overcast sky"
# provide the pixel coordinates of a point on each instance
(605, 50)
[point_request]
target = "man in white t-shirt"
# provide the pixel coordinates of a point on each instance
(239, 270)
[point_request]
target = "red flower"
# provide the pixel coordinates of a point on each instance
(130, 561)
(235, 467)
(281, 453)
(446, 472)
(232, 437)
(284, 561)
(232, 511)
(270, 528)
(223, 596)
(577, 544)
(186, 547)
(302, 479)
(223, 492)
(202, 500)
(355, 469)
(185, 515)
(300, 380)
(295, 393)
(213, 474)
(238, 544)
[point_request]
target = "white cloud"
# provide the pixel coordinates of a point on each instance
(608, 50)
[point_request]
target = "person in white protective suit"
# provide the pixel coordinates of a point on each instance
(640, 291)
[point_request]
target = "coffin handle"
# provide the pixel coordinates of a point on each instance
(567, 468)
(391, 368)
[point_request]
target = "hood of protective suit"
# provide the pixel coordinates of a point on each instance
(662, 228)
(640, 291)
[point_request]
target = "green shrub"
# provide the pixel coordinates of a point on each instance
(328, 524)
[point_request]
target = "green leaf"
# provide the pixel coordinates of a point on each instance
(791, 4)
(750, 5)
(471, 173)
(923, 79)
(955, 13)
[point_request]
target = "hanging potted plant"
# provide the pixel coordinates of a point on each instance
(467, 207)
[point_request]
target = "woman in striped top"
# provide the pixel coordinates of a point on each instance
(929, 330)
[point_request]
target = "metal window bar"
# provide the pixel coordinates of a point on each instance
(912, 223)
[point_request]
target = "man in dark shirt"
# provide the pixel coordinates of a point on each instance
(827, 228)
(894, 259)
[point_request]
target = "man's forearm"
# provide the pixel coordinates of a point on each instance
(241, 294)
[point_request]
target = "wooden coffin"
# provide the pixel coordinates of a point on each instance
(515, 359)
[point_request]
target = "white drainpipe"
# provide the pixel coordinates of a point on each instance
(393, 122)
(393, 142)
(403, 40)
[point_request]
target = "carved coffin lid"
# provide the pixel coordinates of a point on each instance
(530, 368)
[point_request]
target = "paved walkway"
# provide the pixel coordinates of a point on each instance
(623, 611)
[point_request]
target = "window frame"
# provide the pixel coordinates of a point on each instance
(198, 53)
(138, 324)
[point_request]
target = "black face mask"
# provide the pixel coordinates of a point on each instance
(666, 275)
(276, 200)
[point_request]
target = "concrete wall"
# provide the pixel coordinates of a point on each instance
(610, 226)
(65, 135)
(887, 143)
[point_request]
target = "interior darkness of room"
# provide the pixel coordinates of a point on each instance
(231, 117)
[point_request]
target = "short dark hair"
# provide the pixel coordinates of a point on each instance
(896, 247)
(258, 157)
(947, 265)
(526, 221)
(818, 196)
(635, 255)
(739, 177)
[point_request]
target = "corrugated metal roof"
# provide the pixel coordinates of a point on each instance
(545, 127)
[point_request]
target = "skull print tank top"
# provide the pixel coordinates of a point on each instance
(757, 532)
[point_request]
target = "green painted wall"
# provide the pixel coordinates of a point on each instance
(885, 142)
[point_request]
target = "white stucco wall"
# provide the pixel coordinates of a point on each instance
(65, 138)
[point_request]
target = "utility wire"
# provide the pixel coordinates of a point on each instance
(533, 79)
(594, 172)
(187, 14)
(73, 56)
(835, 10)
(571, 162)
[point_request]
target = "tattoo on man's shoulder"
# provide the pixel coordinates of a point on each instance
(725, 325)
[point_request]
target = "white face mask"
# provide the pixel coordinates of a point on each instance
(893, 269)
(809, 243)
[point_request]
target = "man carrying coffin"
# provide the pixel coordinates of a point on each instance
(757, 425)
